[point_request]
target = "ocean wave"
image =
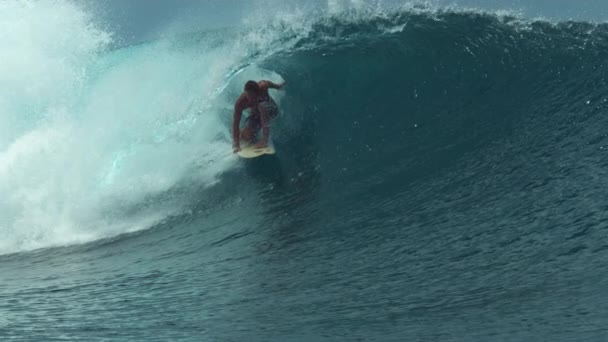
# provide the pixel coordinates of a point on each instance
(374, 96)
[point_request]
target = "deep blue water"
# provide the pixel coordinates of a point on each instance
(440, 176)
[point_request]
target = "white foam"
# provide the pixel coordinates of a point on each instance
(88, 135)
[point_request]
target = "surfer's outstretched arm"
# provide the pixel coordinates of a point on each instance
(272, 85)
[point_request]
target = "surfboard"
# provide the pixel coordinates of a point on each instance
(249, 150)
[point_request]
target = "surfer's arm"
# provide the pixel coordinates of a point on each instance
(272, 85)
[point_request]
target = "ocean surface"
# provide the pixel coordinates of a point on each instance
(440, 175)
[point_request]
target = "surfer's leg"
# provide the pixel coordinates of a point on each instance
(265, 127)
(252, 125)
(270, 108)
(247, 134)
(266, 110)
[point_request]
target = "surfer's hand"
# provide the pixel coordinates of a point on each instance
(236, 149)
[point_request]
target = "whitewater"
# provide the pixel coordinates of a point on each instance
(439, 176)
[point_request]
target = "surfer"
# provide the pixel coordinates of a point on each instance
(262, 109)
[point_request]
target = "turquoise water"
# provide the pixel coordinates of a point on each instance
(439, 176)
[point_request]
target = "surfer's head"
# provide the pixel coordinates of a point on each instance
(252, 87)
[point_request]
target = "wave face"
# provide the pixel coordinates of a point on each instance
(439, 176)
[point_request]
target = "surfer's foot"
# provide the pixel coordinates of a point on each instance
(261, 144)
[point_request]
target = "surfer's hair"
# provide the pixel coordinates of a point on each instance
(252, 86)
